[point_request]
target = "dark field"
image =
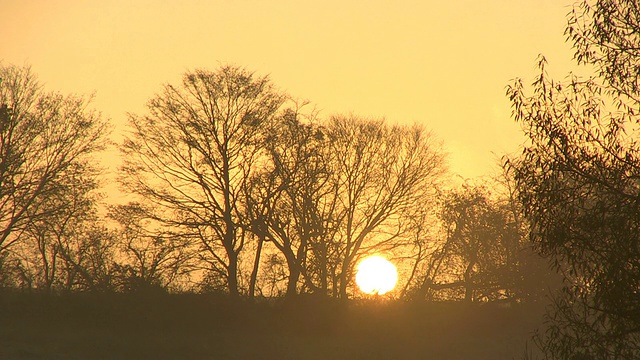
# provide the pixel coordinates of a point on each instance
(210, 327)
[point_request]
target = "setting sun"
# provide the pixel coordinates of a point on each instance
(376, 275)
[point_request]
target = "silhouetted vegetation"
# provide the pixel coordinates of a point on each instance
(249, 211)
(49, 234)
(225, 161)
(248, 208)
(239, 191)
(577, 180)
(484, 255)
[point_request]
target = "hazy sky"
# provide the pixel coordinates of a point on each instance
(444, 64)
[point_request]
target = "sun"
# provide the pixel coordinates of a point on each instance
(376, 275)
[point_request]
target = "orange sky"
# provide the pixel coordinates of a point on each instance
(444, 64)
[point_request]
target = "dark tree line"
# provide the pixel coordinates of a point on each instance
(236, 188)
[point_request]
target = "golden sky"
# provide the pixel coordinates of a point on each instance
(444, 64)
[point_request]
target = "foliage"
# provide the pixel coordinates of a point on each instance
(578, 185)
(578, 182)
(606, 35)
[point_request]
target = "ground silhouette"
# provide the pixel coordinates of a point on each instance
(190, 326)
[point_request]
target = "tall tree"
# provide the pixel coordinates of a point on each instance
(335, 191)
(44, 138)
(193, 153)
(577, 181)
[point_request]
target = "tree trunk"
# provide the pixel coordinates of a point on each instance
(468, 283)
(292, 285)
(256, 265)
(344, 280)
(232, 271)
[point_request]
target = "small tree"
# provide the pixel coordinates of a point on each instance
(70, 209)
(481, 244)
(150, 257)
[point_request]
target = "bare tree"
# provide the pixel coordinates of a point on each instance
(334, 191)
(479, 243)
(383, 175)
(193, 153)
(46, 180)
(42, 136)
(293, 200)
(423, 256)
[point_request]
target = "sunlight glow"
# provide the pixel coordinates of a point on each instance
(376, 275)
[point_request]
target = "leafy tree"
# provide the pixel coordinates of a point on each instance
(578, 184)
(191, 156)
(606, 36)
(577, 179)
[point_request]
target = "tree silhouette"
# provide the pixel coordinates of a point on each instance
(150, 257)
(193, 153)
(293, 199)
(57, 237)
(578, 182)
(482, 255)
(46, 140)
(383, 174)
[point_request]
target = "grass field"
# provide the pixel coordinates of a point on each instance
(213, 327)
